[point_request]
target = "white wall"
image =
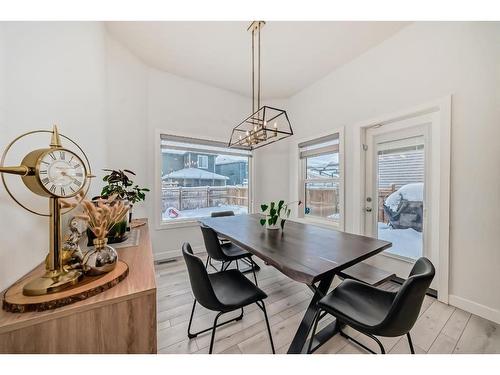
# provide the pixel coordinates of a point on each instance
(50, 72)
(142, 100)
(423, 62)
(126, 109)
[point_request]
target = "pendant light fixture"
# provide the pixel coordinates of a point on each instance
(266, 124)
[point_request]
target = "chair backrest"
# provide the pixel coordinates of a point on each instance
(222, 213)
(200, 282)
(408, 301)
(212, 243)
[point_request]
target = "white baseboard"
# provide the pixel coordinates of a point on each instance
(163, 255)
(475, 308)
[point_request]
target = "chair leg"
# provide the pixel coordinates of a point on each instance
(412, 350)
(263, 308)
(191, 335)
(253, 271)
(206, 264)
(315, 326)
(213, 333)
(382, 349)
(195, 334)
(215, 268)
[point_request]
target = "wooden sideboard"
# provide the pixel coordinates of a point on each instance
(119, 320)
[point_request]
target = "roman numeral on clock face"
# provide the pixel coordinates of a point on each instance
(62, 155)
(52, 156)
(53, 189)
(77, 183)
(63, 193)
(45, 181)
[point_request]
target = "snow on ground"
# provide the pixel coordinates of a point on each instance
(206, 211)
(405, 242)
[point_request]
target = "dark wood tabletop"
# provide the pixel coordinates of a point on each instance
(304, 252)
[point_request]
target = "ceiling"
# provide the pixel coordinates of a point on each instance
(294, 54)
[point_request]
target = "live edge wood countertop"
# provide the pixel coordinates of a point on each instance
(119, 320)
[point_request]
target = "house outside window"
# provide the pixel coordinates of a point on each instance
(321, 180)
(199, 177)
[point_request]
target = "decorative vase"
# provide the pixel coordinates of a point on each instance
(272, 226)
(99, 260)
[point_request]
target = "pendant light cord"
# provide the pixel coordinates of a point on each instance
(253, 70)
(258, 74)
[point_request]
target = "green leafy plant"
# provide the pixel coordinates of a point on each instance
(119, 183)
(275, 211)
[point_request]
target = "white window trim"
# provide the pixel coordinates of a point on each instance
(159, 224)
(300, 216)
(205, 158)
(442, 107)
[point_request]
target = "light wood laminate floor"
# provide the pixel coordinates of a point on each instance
(439, 329)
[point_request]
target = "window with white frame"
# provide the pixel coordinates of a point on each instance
(199, 177)
(321, 179)
(203, 161)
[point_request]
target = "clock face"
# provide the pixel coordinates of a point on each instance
(62, 173)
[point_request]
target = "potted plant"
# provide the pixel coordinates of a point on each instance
(120, 185)
(276, 214)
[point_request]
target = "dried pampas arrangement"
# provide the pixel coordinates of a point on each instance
(102, 214)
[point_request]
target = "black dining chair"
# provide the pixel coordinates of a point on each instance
(225, 253)
(251, 265)
(224, 291)
(373, 311)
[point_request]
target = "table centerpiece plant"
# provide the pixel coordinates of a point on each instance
(276, 214)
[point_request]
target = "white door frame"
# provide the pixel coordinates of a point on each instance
(440, 149)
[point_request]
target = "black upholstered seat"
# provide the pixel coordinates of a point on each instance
(374, 311)
(358, 304)
(233, 252)
(225, 253)
(223, 291)
(234, 290)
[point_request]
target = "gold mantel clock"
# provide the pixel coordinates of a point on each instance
(54, 172)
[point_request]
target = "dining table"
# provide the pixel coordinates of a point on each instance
(307, 253)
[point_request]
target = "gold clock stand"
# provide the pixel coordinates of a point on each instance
(56, 277)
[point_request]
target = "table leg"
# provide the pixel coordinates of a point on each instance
(300, 342)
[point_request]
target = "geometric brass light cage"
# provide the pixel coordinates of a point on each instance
(266, 124)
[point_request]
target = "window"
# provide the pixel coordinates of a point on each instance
(203, 161)
(199, 177)
(321, 179)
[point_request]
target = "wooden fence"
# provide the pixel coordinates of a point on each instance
(383, 193)
(190, 198)
(322, 201)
